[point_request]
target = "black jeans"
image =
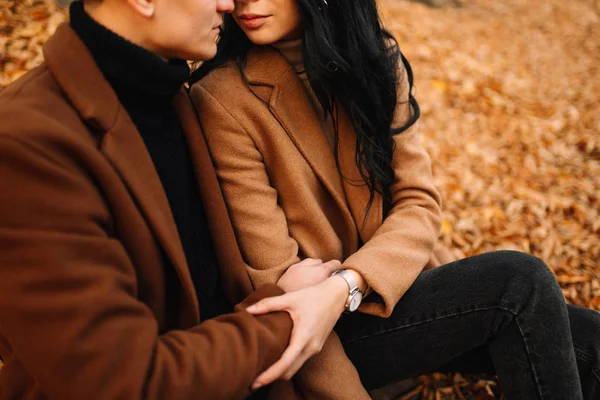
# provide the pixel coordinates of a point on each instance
(500, 312)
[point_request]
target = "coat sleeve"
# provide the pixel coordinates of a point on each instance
(69, 306)
(396, 254)
(268, 253)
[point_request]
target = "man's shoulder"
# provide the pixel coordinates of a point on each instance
(34, 107)
(33, 83)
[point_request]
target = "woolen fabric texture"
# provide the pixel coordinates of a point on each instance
(292, 51)
(86, 307)
(289, 199)
(146, 85)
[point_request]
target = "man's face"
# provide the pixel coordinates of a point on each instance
(187, 29)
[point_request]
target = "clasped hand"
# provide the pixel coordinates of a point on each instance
(315, 302)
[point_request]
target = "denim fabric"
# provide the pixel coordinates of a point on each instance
(501, 312)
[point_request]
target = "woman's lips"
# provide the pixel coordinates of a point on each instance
(253, 21)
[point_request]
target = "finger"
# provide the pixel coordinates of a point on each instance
(270, 304)
(277, 370)
(332, 266)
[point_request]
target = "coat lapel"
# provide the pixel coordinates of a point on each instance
(125, 149)
(234, 276)
(291, 106)
(76, 72)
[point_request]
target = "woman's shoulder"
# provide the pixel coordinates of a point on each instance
(223, 78)
(235, 83)
(262, 65)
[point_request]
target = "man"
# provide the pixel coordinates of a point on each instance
(110, 286)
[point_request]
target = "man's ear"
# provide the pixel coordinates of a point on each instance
(145, 8)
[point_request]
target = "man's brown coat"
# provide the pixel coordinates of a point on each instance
(86, 307)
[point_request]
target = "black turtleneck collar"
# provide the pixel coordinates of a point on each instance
(124, 63)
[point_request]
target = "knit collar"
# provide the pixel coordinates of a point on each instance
(292, 51)
(124, 63)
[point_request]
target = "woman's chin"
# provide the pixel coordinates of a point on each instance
(261, 39)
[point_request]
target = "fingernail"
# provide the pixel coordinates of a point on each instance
(251, 309)
(256, 385)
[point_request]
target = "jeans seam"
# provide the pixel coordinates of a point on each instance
(396, 328)
(583, 355)
(537, 381)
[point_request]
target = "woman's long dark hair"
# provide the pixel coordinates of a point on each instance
(350, 60)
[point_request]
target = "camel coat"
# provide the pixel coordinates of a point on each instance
(86, 307)
(287, 199)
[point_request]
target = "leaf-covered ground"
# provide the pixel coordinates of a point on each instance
(510, 97)
(509, 93)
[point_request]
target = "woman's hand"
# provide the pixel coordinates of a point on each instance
(308, 272)
(314, 312)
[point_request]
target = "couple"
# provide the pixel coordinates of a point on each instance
(164, 243)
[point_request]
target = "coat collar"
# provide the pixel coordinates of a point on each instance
(75, 71)
(290, 105)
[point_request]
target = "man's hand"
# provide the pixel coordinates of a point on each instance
(308, 272)
(314, 312)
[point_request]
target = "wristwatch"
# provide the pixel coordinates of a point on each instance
(355, 296)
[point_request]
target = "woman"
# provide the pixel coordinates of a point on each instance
(310, 119)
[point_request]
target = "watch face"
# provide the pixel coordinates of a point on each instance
(355, 301)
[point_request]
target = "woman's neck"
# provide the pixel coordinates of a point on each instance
(292, 51)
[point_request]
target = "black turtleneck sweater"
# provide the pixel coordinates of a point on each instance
(146, 85)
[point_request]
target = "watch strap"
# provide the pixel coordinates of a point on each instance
(352, 284)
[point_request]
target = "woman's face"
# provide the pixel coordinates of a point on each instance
(268, 21)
